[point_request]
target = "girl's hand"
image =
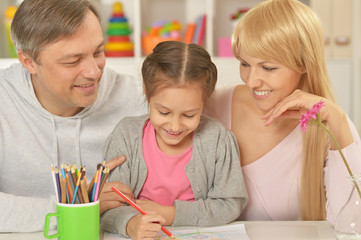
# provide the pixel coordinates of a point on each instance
(144, 227)
(297, 104)
(167, 212)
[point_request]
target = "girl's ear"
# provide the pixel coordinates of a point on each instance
(27, 62)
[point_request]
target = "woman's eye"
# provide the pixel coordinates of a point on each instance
(163, 113)
(188, 116)
(269, 68)
(244, 64)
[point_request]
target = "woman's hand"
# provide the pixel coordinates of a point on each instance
(297, 104)
(108, 198)
(167, 212)
(144, 227)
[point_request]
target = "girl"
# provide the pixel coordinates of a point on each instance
(289, 175)
(183, 167)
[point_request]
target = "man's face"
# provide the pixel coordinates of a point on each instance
(68, 72)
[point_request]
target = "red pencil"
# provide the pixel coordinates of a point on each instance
(139, 209)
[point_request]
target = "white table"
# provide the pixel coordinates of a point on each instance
(256, 230)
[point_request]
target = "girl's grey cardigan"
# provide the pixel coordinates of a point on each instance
(214, 172)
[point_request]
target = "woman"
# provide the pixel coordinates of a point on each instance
(289, 174)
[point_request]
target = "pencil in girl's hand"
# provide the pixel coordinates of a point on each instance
(139, 209)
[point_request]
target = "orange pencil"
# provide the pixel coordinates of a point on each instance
(139, 209)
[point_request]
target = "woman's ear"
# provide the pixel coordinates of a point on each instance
(27, 62)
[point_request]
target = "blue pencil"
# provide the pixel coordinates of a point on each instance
(76, 187)
(63, 174)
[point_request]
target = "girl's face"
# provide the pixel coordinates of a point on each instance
(175, 113)
(269, 82)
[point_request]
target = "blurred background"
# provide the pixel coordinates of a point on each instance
(133, 27)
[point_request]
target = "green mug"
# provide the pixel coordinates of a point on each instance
(75, 221)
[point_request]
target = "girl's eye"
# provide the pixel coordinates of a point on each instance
(244, 64)
(164, 113)
(188, 116)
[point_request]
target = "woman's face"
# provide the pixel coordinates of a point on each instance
(269, 82)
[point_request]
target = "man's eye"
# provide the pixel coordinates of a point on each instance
(72, 63)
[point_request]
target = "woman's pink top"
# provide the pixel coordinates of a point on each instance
(166, 179)
(273, 181)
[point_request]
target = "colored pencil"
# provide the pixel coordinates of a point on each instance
(76, 189)
(90, 187)
(98, 185)
(133, 204)
(54, 181)
(75, 180)
(58, 182)
(63, 189)
(83, 187)
(80, 174)
(94, 186)
(104, 180)
(68, 184)
(66, 187)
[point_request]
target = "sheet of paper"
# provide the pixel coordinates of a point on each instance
(227, 232)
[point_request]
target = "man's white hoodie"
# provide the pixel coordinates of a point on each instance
(31, 139)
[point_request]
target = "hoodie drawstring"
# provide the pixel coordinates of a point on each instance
(55, 144)
(77, 142)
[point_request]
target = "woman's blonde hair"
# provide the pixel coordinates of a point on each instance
(289, 33)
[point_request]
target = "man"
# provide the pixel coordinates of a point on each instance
(58, 106)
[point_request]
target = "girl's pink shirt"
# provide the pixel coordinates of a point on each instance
(166, 178)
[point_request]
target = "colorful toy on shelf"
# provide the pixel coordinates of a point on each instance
(9, 15)
(159, 32)
(118, 31)
(235, 17)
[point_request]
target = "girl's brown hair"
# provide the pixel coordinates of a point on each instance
(175, 63)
